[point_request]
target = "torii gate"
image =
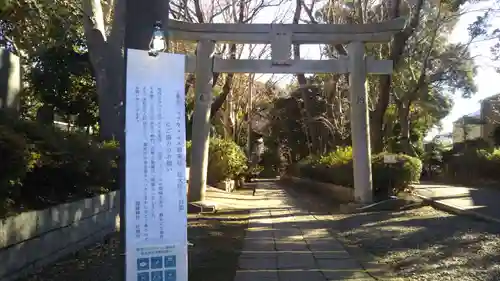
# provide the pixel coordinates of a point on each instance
(281, 37)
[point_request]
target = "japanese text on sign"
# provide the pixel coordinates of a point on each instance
(155, 168)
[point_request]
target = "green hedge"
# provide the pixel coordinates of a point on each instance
(43, 166)
(226, 160)
(337, 168)
(473, 164)
(407, 170)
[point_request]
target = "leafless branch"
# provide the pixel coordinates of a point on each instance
(340, 49)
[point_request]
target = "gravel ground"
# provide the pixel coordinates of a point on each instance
(420, 244)
(427, 244)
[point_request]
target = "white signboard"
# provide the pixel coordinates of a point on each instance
(390, 159)
(156, 216)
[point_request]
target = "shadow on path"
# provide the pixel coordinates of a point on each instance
(419, 244)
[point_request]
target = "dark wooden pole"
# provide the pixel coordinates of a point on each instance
(140, 17)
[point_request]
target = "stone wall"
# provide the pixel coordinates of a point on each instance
(36, 238)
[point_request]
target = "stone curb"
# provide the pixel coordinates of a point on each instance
(450, 208)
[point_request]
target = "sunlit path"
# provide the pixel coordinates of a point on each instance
(286, 243)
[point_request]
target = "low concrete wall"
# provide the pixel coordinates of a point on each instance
(34, 239)
(337, 192)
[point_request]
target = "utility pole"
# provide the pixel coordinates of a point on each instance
(140, 16)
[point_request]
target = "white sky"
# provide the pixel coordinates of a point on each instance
(486, 75)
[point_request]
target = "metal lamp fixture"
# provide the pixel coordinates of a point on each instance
(158, 41)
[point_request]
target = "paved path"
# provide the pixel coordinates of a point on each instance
(482, 201)
(287, 243)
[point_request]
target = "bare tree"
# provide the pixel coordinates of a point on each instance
(335, 89)
(239, 94)
(395, 50)
(228, 11)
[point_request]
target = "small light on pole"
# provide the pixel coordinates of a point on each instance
(158, 41)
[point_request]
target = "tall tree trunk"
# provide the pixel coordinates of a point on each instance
(304, 92)
(106, 57)
(221, 98)
(227, 118)
(404, 121)
(396, 49)
(226, 89)
(310, 125)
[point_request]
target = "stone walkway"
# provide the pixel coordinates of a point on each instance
(287, 243)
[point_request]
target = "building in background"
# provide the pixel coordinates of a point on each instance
(490, 109)
(480, 124)
(467, 127)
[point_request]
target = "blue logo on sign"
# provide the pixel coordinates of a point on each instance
(170, 275)
(156, 263)
(156, 276)
(143, 264)
(143, 276)
(170, 261)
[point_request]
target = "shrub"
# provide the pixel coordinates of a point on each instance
(474, 164)
(73, 163)
(398, 175)
(337, 168)
(341, 155)
(43, 166)
(13, 164)
(226, 160)
(334, 167)
(492, 164)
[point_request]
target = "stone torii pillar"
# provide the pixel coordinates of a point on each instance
(201, 114)
(360, 128)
